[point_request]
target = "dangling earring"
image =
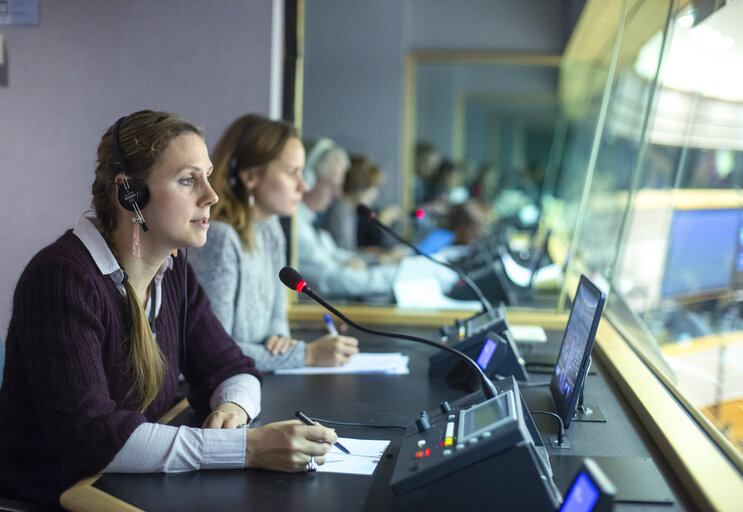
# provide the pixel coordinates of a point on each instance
(251, 200)
(135, 239)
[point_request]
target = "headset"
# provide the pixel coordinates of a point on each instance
(133, 194)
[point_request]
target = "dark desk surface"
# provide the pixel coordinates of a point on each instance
(380, 400)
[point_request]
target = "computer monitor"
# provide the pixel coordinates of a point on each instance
(703, 253)
(575, 352)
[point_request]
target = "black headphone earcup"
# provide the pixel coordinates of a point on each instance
(137, 194)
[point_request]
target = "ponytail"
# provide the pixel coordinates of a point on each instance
(146, 361)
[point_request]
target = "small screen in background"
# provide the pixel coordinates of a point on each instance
(582, 496)
(486, 354)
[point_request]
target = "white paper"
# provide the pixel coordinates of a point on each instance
(363, 459)
(528, 333)
(364, 362)
(427, 294)
(420, 282)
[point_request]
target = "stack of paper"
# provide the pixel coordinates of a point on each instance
(389, 363)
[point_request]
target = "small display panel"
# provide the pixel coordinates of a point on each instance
(582, 496)
(486, 354)
(486, 416)
(572, 362)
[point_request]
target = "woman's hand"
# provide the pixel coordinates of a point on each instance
(279, 344)
(331, 350)
(227, 415)
(287, 445)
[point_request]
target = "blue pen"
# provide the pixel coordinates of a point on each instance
(330, 326)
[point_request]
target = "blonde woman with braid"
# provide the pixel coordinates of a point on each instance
(258, 166)
(96, 340)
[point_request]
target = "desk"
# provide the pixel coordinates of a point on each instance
(375, 399)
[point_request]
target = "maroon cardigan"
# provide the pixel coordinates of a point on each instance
(64, 409)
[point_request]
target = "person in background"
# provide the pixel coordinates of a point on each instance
(427, 162)
(257, 174)
(330, 269)
(105, 319)
(358, 233)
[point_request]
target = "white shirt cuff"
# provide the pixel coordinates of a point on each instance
(243, 389)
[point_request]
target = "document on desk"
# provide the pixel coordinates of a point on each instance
(364, 362)
(363, 459)
(419, 284)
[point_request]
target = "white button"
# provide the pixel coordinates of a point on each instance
(446, 453)
(486, 434)
(460, 446)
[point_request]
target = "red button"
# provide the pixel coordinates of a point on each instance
(428, 452)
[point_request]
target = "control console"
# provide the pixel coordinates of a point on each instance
(475, 453)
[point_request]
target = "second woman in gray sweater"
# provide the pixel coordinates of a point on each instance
(258, 176)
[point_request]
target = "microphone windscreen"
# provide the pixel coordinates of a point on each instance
(291, 278)
(365, 212)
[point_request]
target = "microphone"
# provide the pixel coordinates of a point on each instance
(292, 279)
(367, 213)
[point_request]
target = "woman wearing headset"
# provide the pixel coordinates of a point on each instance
(258, 175)
(96, 340)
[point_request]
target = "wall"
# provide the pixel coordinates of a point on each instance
(87, 63)
(355, 54)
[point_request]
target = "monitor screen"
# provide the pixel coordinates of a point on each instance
(737, 281)
(575, 351)
(702, 249)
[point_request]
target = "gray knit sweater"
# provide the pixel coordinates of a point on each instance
(244, 289)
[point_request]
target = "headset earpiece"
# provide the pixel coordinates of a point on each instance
(133, 194)
(232, 170)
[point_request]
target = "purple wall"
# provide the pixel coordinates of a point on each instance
(87, 63)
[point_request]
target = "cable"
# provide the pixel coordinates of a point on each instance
(561, 432)
(185, 302)
(320, 420)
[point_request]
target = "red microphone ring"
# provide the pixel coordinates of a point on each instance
(301, 285)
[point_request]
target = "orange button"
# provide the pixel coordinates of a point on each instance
(419, 454)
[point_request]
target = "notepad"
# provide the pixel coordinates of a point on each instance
(364, 362)
(363, 459)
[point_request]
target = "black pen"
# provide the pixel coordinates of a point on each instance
(304, 419)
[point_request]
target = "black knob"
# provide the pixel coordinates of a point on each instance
(423, 423)
(445, 407)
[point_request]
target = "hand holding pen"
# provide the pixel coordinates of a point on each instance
(330, 326)
(304, 419)
(332, 349)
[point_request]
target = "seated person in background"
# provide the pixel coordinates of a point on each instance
(328, 268)
(258, 176)
(427, 161)
(361, 187)
(86, 378)
(468, 221)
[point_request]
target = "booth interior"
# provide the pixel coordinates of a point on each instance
(579, 347)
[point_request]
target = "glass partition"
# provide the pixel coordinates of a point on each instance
(659, 220)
